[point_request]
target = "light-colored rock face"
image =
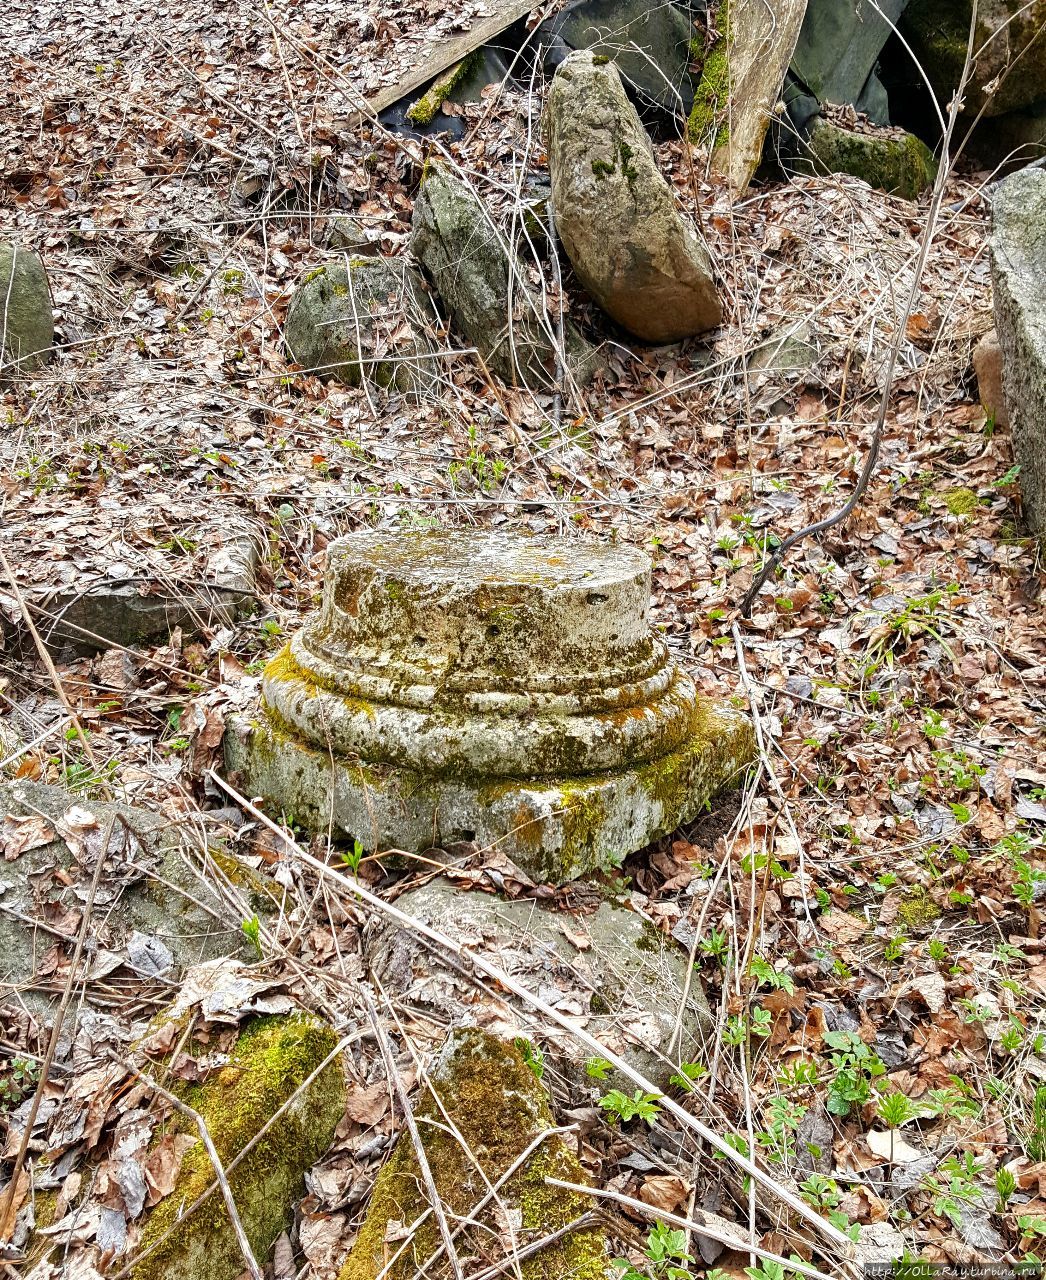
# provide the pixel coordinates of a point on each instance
(1018, 256)
(483, 285)
(26, 322)
(359, 318)
(488, 687)
(987, 365)
(634, 252)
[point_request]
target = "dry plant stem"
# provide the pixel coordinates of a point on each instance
(412, 1126)
(243, 1153)
(205, 1136)
(698, 1228)
(59, 689)
(925, 241)
(536, 1003)
(529, 1250)
(7, 1209)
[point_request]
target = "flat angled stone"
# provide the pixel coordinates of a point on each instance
(487, 687)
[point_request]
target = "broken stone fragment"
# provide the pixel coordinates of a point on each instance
(364, 319)
(349, 233)
(889, 159)
(484, 286)
(26, 320)
(1018, 259)
(627, 979)
(616, 216)
(271, 1061)
(488, 687)
(481, 1089)
(987, 365)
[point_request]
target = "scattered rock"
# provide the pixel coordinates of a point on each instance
(484, 286)
(794, 351)
(1010, 70)
(364, 320)
(350, 234)
(837, 51)
(489, 687)
(987, 364)
(741, 83)
(626, 978)
(151, 907)
(892, 160)
(26, 321)
(1018, 258)
(487, 1091)
(136, 611)
(270, 1061)
(650, 44)
(615, 213)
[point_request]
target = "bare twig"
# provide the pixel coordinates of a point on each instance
(925, 241)
(412, 1127)
(8, 1207)
(208, 1142)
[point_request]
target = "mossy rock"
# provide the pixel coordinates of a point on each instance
(1009, 73)
(347, 316)
(271, 1059)
(890, 160)
(26, 322)
(499, 1107)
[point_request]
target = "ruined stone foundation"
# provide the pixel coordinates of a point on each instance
(487, 687)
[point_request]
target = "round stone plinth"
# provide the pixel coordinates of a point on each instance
(490, 687)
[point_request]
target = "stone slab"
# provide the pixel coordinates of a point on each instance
(554, 829)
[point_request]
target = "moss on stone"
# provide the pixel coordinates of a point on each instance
(272, 1058)
(497, 1104)
(603, 169)
(918, 910)
(423, 111)
(961, 502)
(897, 163)
(262, 893)
(707, 124)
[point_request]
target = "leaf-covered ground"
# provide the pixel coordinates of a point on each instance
(866, 913)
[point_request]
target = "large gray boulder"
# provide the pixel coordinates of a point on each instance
(651, 44)
(484, 286)
(26, 321)
(363, 319)
(838, 48)
(616, 215)
(1018, 258)
(1009, 72)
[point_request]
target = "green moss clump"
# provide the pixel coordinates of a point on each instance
(271, 1059)
(900, 165)
(961, 502)
(499, 1107)
(603, 169)
(706, 125)
(423, 111)
(918, 910)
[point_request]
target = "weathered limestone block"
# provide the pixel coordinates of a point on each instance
(632, 249)
(484, 286)
(363, 318)
(1018, 256)
(632, 976)
(270, 1062)
(889, 159)
(987, 365)
(487, 687)
(26, 321)
(498, 1106)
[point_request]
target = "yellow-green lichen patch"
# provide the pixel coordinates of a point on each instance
(961, 502)
(262, 893)
(499, 1107)
(271, 1060)
(918, 910)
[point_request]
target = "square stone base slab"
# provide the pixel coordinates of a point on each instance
(554, 829)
